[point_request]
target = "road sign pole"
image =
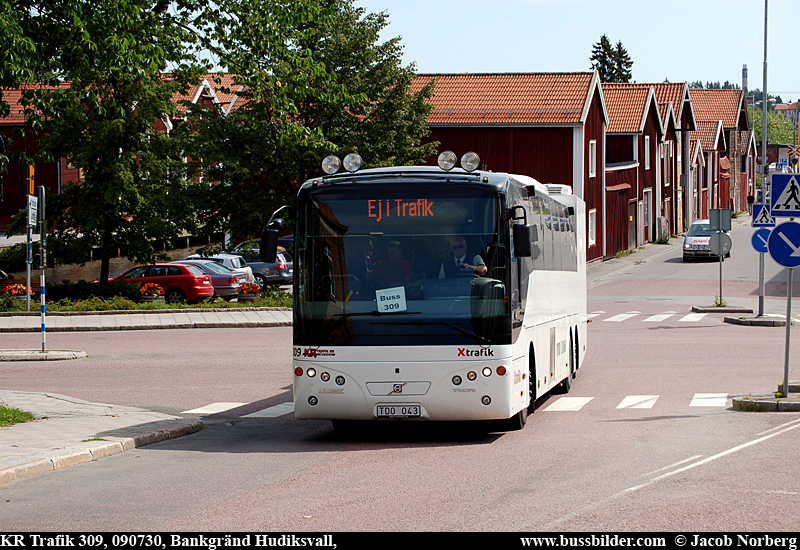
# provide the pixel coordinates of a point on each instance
(788, 334)
(761, 285)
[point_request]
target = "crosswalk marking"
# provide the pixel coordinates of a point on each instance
(692, 317)
(273, 412)
(621, 317)
(214, 408)
(638, 402)
(660, 317)
(709, 400)
(569, 404)
(594, 314)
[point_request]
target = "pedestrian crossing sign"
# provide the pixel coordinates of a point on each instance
(762, 216)
(785, 196)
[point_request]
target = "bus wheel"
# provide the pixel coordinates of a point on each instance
(517, 422)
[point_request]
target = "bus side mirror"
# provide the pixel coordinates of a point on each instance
(523, 236)
(268, 250)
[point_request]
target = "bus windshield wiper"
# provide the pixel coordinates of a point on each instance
(342, 317)
(477, 337)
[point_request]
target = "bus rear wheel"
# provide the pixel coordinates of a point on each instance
(518, 421)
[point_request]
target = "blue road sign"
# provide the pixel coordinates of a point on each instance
(762, 216)
(784, 245)
(785, 196)
(760, 238)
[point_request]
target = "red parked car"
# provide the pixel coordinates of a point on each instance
(180, 282)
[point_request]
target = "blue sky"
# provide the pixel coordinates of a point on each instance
(679, 40)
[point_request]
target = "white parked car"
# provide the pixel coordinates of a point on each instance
(231, 261)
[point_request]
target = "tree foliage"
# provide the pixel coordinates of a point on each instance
(318, 83)
(613, 63)
(112, 55)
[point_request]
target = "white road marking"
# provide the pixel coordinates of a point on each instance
(692, 317)
(621, 317)
(568, 404)
(709, 400)
(594, 314)
(214, 408)
(638, 402)
(659, 318)
(273, 412)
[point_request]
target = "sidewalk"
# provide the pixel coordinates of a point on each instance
(146, 319)
(69, 431)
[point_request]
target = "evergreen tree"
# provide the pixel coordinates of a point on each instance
(622, 64)
(603, 59)
(613, 63)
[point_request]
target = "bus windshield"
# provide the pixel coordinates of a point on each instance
(412, 265)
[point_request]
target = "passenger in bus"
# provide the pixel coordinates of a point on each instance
(457, 265)
(394, 270)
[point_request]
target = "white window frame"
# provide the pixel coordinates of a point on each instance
(592, 226)
(592, 158)
(647, 152)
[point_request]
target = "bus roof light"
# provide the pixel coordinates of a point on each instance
(470, 161)
(331, 164)
(447, 161)
(352, 162)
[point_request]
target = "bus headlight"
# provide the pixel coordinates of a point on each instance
(470, 161)
(352, 162)
(447, 161)
(311, 373)
(487, 371)
(331, 164)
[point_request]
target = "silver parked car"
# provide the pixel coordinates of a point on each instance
(226, 281)
(231, 261)
(280, 272)
(697, 242)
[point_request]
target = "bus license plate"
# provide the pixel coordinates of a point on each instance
(397, 411)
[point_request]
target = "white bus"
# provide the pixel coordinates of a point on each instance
(387, 326)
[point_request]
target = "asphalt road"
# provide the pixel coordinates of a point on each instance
(673, 459)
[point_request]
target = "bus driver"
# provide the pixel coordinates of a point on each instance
(457, 265)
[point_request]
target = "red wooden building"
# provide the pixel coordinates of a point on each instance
(550, 126)
(634, 204)
(727, 107)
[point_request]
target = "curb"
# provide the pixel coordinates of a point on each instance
(240, 324)
(721, 309)
(38, 355)
(110, 446)
(138, 311)
(767, 402)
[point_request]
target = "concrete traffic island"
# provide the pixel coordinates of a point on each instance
(39, 355)
(770, 402)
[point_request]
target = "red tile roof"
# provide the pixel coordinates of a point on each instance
(509, 98)
(713, 105)
(708, 133)
(627, 106)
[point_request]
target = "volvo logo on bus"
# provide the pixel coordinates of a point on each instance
(397, 388)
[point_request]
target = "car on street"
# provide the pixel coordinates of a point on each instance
(234, 262)
(280, 272)
(225, 281)
(181, 283)
(697, 242)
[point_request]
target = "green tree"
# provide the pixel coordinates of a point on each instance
(112, 55)
(779, 128)
(318, 83)
(602, 59)
(613, 63)
(622, 64)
